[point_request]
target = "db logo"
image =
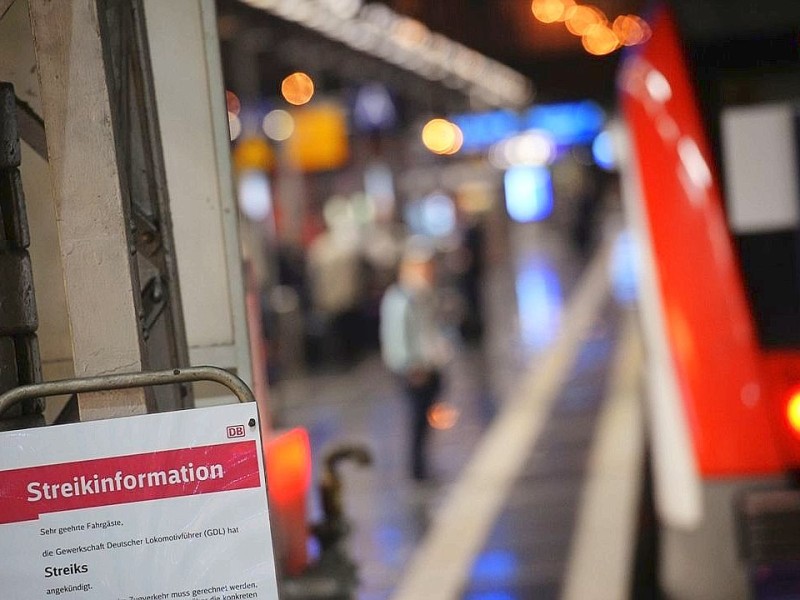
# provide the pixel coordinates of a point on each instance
(235, 431)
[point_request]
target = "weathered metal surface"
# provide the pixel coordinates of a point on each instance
(123, 381)
(17, 302)
(9, 134)
(29, 362)
(8, 364)
(155, 298)
(144, 190)
(19, 350)
(12, 209)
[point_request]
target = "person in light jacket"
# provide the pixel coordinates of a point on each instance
(412, 344)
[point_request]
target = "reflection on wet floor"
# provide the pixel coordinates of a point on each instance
(539, 302)
(528, 548)
(524, 298)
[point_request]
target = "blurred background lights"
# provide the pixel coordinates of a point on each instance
(625, 267)
(433, 216)
(631, 30)
(345, 9)
(529, 194)
(657, 86)
(376, 29)
(443, 415)
(253, 153)
(374, 108)
(442, 137)
(278, 125)
(297, 88)
(255, 197)
(483, 129)
(539, 301)
(551, 11)
(603, 151)
(410, 33)
(793, 411)
(338, 213)
(532, 148)
(234, 126)
(438, 215)
(233, 103)
(379, 187)
(580, 18)
(568, 123)
(592, 25)
(320, 139)
(600, 40)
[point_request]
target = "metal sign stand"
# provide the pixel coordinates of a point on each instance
(123, 381)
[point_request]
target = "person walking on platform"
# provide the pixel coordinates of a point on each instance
(412, 344)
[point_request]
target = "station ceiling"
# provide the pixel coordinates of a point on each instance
(504, 30)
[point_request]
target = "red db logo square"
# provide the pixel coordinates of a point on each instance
(235, 431)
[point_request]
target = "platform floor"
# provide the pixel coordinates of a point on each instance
(536, 485)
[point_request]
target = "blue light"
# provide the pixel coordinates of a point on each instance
(569, 123)
(539, 302)
(374, 108)
(494, 565)
(603, 151)
(438, 215)
(433, 216)
(529, 194)
(491, 596)
(624, 268)
(481, 130)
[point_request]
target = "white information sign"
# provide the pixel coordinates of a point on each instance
(154, 507)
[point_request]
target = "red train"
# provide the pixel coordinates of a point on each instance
(712, 189)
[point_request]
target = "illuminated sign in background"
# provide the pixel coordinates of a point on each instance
(567, 124)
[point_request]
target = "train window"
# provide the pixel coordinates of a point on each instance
(747, 58)
(762, 187)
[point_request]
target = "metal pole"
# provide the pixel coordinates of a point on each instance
(123, 381)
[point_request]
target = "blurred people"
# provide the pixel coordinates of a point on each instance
(474, 243)
(334, 274)
(585, 228)
(382, 248)
(412, 344)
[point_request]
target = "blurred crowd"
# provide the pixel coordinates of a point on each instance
(324, 312)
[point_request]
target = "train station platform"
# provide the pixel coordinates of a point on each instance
(537, 462)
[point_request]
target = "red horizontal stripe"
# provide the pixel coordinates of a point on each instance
(239, 461)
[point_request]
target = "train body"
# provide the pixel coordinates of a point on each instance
(711, 187)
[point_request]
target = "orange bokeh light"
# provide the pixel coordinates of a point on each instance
(297, 88)
(580, 18)
(631, 30)
(442, 137)
(443, 415)
(600, 40)
(551, 11)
